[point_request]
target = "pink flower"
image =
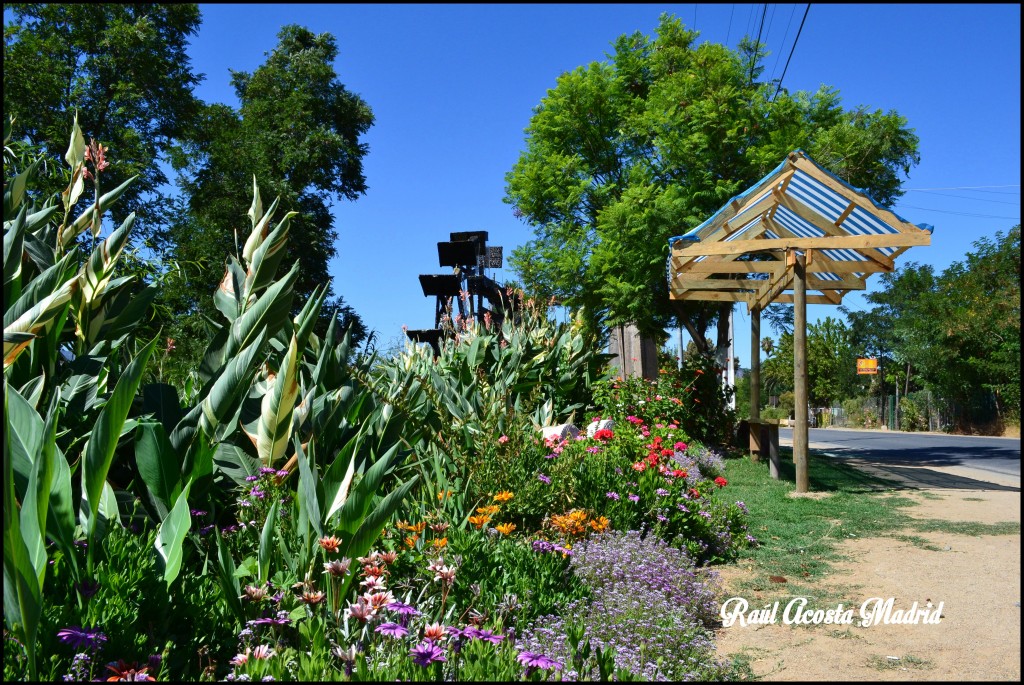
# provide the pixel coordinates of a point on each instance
(502, 440)
(680, 446)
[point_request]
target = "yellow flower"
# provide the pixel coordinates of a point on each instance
(444, 494)
(479, 521)
(503, 496)
(506, 528)
(600, 523)
(488, 510)
(439, 542)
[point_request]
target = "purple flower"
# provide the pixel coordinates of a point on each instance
(252, 479)
(257, 493)
(543, 479)
(661, 492)
(197, 512)
(402, 609)
(634, 498)
(532, 660)
(281, 474)
(474, 632)
(426, 653)
(206, 530)
(392, 630)
(742, 507)
(80, 638)
(280, 620)
(612, 495)
(267, 469)
(594, 450)
(705, 514)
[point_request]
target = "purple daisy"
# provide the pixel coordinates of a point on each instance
(80, 638)
(426, 653)
(392, 630)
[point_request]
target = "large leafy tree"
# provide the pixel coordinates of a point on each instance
(124, 69)
(831, 364)
(957, 333)
(297, 131)
(621, 155)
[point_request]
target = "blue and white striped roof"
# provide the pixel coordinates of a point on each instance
(816, 194)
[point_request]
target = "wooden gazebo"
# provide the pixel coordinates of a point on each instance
(800, 235)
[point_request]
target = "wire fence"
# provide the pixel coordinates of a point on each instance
(918, 411)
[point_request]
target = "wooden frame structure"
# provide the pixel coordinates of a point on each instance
(799, 236)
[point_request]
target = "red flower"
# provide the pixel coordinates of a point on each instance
(721, 482)
(124, 670)
(604, 434)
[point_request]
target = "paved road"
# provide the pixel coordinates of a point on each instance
(891, 448)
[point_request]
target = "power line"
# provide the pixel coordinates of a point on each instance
(729, 32)
(947, 211)
(976, 199)
(757, 44)
(784, 37)
(795, 40)
(1011, 185)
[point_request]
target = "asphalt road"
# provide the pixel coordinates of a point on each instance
(892, 448)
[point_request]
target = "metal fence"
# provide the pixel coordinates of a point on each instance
(918, 411)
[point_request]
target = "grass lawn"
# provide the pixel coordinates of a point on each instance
(799, 536)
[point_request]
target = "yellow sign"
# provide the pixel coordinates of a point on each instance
(867, 366)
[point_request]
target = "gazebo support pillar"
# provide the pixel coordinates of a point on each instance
(800, 436)
(755, 385)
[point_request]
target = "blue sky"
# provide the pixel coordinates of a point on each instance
(453, 86)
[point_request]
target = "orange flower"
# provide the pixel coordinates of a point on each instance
(479, 521)
(488, 510)
(410, 540)
(443, 495)
(503, 496)
(599, 524)
(699, 372)
(418, 528)
(330, 544)
(439, 542)
(505, 528)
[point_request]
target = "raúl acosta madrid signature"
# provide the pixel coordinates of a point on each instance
(874, 611)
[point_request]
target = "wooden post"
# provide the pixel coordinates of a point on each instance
(800, 437)
(755, 383)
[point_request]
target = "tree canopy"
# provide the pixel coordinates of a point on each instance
(623, 154)
(124, 69)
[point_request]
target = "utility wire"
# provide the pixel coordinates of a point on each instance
(784, 37)
(1011, 185)
(976, 199)
(757, 43)
(946, 211)
(729, 31)
(795, 40)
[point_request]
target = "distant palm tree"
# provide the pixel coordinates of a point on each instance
(768, 345)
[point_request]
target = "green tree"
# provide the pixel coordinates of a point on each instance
(124, 69)
(623, 154)
(831, 364)
(297, 131)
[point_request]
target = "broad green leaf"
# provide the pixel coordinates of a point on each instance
(228, 295)
(23, 439)
(259, 232)
(231, 386)
(159, 464)
(171, 535)
(265, 260)
(255, 212)
(309, 503)
(275, 425)
(338, 477)
(267, 541)
(227, 575)
(359, 500)
(269, 314)
(14, 248)
(99, 452)
(35, 321)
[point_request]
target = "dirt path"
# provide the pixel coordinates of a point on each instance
(977, 578)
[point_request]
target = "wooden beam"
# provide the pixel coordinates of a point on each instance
(811, 299)
(718, 266)
(709, 295)
(755, 380)
(772, 288)
(752, 234)
(857, 242)
(716, 283)
(800, 432)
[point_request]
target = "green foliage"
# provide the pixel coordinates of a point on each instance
(831, 364)
(625, 153)
(299, 130)
(955, 333)
(125, 68)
